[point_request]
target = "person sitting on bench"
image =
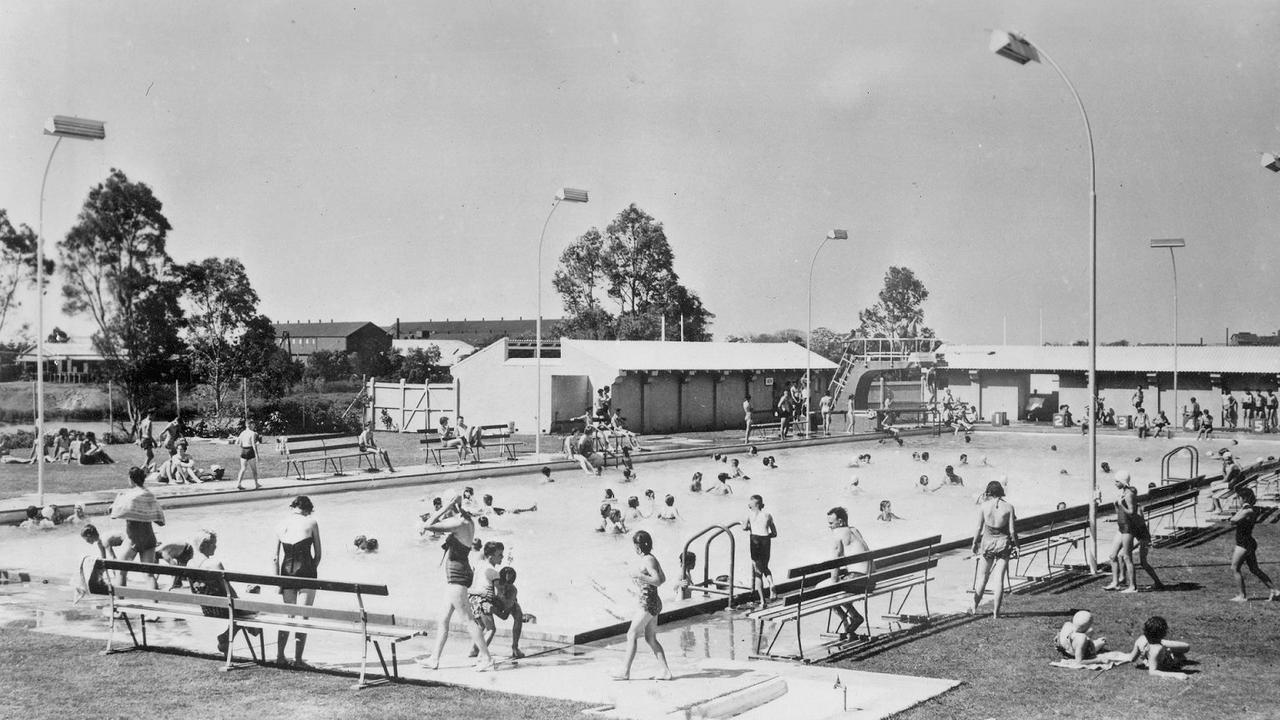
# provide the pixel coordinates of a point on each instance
(847, 541)
(207, 545)
(368, 444)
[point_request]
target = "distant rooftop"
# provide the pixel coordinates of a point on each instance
(710, 356)
(319, 329)
(471, 330)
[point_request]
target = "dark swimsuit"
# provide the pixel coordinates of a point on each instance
(296, 559)
(761, 549)
(1131, 524)
(457, 563)
(1244, 531)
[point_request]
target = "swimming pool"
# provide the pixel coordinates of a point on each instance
(574, 578)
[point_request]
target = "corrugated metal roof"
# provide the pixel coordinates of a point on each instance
(1146, 358)
(320, 329)
(710, 356)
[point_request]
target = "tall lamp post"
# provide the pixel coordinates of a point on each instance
(59, 126)
(836, 234)
(1020, 50)
(565, 195)
(1172, 243)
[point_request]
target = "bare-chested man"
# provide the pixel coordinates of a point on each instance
(846, 541)
(761, 532)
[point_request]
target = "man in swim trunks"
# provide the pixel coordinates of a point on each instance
(761, 532)
(248, 440)
(141, 536)
(847, 541)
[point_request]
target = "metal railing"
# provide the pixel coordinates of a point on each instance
(1193, 463)
(709, 584)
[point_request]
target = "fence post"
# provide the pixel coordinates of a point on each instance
(402, 403)
(111, 417)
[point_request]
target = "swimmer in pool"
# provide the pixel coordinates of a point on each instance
(669, 512)
(695, 485)
(735, 471)
(723, 488)
(886, 512)
(632, 513)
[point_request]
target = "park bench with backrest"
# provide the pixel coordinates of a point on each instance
(499, 436)
(1162, 514)
(893, 572)
(329, 450)
(247, 612)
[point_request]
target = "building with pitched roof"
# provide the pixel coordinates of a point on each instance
(475, 332)
(659, 386)
(302, 339)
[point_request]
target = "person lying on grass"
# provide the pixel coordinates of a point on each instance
(1074, 641)
(1162, 656)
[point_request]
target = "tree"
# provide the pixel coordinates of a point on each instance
(632, 265)
(327, 365)
(422, 365)
(900, 311)
(17, 264)
(117, 270)
(222, 306)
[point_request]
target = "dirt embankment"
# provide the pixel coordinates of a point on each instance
(61, 401)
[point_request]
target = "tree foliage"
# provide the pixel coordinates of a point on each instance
(17, 264)
(631, 265)
(117, 270)
(327, 365)
(422, 365)
(227, 338)
(900, 310)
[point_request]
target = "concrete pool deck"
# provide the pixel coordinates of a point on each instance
(714, 678)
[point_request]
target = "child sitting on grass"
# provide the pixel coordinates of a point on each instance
(1162, 656)
(1074, 641)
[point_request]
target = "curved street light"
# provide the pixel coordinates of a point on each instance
(1172, 243)
(1020, 50)
(565, 195)
(59, 126)
(836, 234)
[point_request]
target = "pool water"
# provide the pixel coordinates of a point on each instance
(574, 578)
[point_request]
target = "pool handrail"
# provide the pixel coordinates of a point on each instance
(716, 531)
(1194, 463)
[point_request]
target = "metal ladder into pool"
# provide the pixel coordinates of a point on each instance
(1193, 464)
(716, 585)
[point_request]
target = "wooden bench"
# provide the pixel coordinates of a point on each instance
(893, 571)
(1053, 545)
(328, 450)
(1168, 509)
(434, 447)
(247, 611)
(502, 435)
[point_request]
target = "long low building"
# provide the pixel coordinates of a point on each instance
(1001, 378)
(659, 386)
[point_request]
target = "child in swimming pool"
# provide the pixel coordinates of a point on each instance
(669, 512)
(609, 496)
(695, 485)
(886, 512)
(723, 488)
(546, 474)
(616, 524)
(1162, 656)
(605, 510)
(736, 471)
(633, 513)
(1074, 642)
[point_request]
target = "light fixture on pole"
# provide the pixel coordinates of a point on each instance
(1020, 50)
(1172, 243)
(59, 126)
(836, 234)
(565, 195)
(1271, 162)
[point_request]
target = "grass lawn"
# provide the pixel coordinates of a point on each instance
(51, 676)
(1005, 663)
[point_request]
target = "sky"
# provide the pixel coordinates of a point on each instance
(374, 161)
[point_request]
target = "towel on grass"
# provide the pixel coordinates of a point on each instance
(137, 504)
(1104, 661)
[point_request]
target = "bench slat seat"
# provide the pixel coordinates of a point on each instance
(249, 612)
(893, 571)
(328, 449)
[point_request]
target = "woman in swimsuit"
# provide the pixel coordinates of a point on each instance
(996, 540)
(1074, 642)
(297, 555)
(1130, 528)
(648, 576)
(460, 530)
(1246, 550)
